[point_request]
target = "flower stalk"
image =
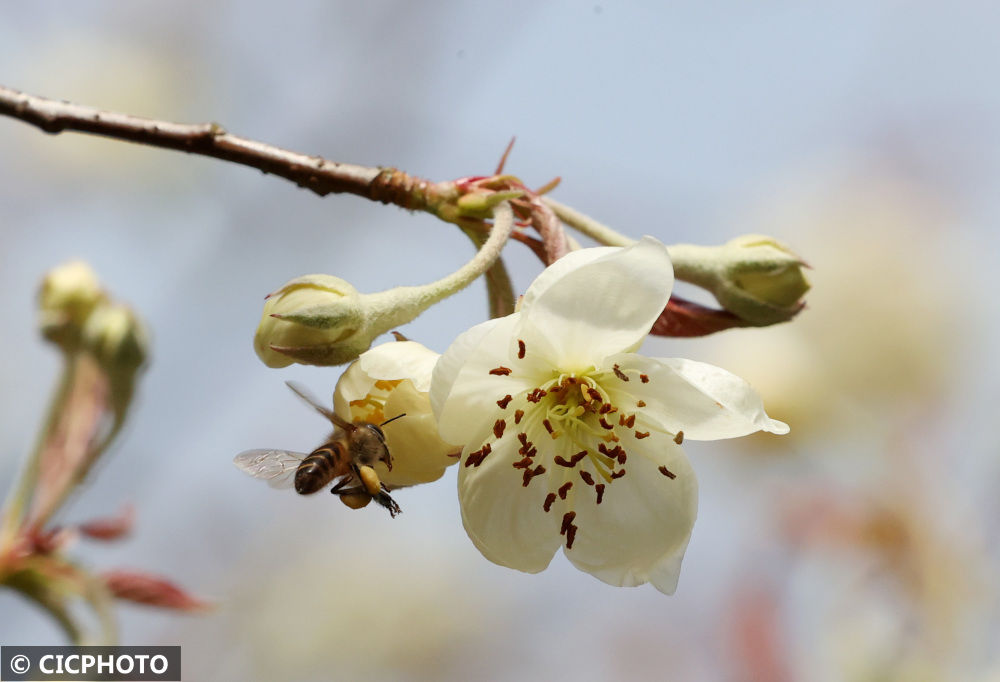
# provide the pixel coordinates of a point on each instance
(103, 347)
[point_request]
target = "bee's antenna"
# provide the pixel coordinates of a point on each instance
(392, 420)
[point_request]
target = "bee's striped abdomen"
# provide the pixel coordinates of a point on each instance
(319, 468)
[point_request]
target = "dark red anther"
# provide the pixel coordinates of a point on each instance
(617, 474)
(523, 463)
(604, 424)
(570, 536)
(520, 349)
(587, 478)
(567, 521)
(501, 371)
(679, 438)
(518, 415)
(562, 462)
(639, 435)
(600, 492)
(667, 472)
(505, 401)
(476, 458)
(644, 378)
(498, 428)
(549, 499)
(536, 395)
(578, 456)
(620, 374)
(564, 488)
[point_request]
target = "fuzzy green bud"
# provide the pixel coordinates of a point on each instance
(755, 277)
(314, 320)
(117, 338)
(66, 298)
(323, 320)
(766, 280)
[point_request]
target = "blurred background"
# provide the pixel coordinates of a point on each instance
(866, 135)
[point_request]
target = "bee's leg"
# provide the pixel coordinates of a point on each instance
(340, 484)
(385, 500)
(352, 496)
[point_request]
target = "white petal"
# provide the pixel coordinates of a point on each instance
(418, 453)
(393, 360)
(504, 519)
(353, 384)
(640, 530)
(598, 302)
(451, 362)
(703, 401)
(464, 394)
(401, 360)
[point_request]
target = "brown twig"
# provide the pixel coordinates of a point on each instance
(314, 173)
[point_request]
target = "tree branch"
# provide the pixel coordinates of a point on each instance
(314, 173)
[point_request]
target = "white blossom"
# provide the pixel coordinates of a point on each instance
(572, 439)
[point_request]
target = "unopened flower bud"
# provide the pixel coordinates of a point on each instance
(482, 203)
(323, 320)
(315, 320)
(66, 298)
(117, 338)
(766, 281)
(755, 277)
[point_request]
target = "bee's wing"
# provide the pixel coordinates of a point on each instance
(277, 467)
(301, 392)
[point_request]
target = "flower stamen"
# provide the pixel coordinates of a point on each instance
(568, 529)
(564, 488)
(476, 458)
(531, 473)
(667, 472)
(549, 499)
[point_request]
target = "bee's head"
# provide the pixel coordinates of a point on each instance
(373, 439)
(386, 456)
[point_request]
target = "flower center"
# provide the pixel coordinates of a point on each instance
(371, 408)
(570, 433)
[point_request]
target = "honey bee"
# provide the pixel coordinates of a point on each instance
(347, 457)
